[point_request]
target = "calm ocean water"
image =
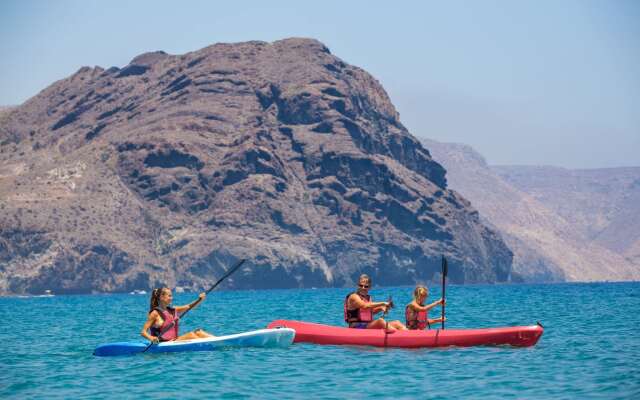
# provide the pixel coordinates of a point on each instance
(590, 348)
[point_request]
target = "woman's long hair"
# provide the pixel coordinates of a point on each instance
(155, 298)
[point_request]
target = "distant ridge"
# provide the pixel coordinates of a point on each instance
(561, 224)
(6, 109)
(602, 204)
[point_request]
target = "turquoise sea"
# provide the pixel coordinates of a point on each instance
(590, 348)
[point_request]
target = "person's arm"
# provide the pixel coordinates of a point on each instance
(436, 320)
(191, 305)
(428, 306)
(379, 309)
(147, 325)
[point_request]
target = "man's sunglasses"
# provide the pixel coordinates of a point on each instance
(364, 286)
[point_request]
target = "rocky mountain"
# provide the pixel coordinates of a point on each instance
(548, 231)
(5, 110)
(169, 169)
(602, 204)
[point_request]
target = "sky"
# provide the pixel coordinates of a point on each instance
(523, 82)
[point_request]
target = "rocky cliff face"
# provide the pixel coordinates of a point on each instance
(546, 215)
(171, 168)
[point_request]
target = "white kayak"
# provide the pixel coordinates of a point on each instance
(281, 337)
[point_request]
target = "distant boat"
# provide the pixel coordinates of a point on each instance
(46, 293)
(138, 291)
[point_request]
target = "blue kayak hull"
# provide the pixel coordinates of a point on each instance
(281, 337)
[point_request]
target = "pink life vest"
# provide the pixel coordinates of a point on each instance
(169, 316)
(358, 314)
(415, 320)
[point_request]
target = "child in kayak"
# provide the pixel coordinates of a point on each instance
(359, 309)
(417, 314)
(162, 321)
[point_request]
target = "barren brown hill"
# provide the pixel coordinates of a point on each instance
(549, 244)
(169, 169)
(4, 110)
(602, 204)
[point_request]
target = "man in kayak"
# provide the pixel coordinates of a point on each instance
(162, 321)
(359, 309)
(417, 314)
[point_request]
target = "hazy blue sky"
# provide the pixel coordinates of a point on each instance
(524, 82)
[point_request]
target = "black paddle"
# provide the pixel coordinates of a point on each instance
(225, 276)
(445, 267)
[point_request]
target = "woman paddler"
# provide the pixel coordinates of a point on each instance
(359, 309)
(163, 319)
(417, 314)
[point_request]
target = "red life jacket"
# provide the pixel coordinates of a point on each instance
(415, 320)
(169, 316)
(358, 314)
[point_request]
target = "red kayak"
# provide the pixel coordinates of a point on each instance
(306, 332)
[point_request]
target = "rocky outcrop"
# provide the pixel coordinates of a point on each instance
(546, 214)
(168, 170)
